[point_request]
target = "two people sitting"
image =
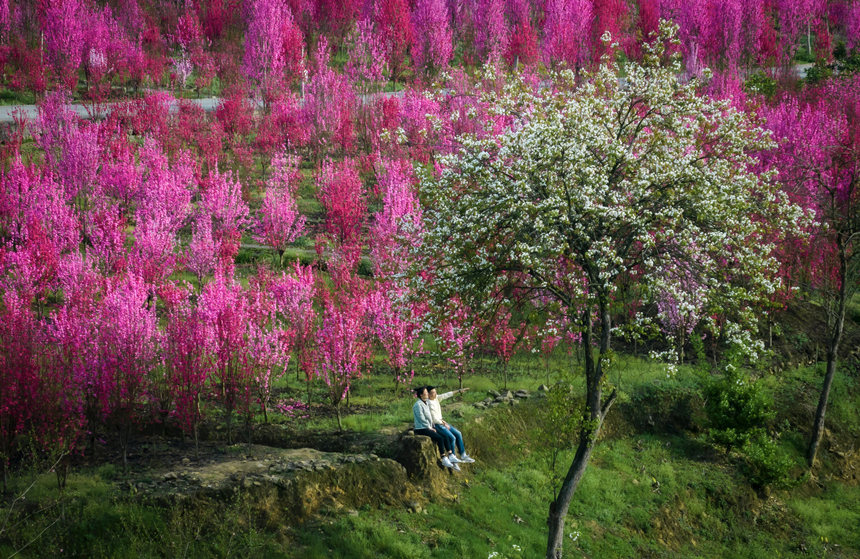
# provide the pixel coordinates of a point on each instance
(427, 414)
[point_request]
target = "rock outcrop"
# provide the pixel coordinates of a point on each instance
(295, 484)
(299, 481)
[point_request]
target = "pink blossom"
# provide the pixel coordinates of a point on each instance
(279, 221)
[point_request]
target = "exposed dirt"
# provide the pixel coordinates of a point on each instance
(803, 337)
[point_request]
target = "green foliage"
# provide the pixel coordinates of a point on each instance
(559, 419)
(671, 405)
(846, 62)
(766, 463)
(737, 409)
(761, 83)
(818, 72)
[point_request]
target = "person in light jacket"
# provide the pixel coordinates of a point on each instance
(424, 426)
(444, 428)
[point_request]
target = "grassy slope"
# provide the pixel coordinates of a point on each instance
(649, 492)
(644, 495)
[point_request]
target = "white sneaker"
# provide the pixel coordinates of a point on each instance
(453, 458)
(447, 463)
(456, 467)
(466, 459)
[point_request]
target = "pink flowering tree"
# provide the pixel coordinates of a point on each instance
(18, 372)
(329, 104)
(202, 257)
(106, 233)
(397, 229)
(523, 45)
(64, 36)
(128, 338)
(492, 31)
(74, 342)
(294, 298)
(396, 327)
(432, 39)
(71, 148)
(504, 335)
(279, 221)
(393, 25)
(456, 332)
(342, 196)
(222, 202)
(567, 32)
(269, 340)
(224, 311)
(366, 56)
(394, 234)
(162, 209)
(680, 306)
(273, 48)
(819, 160)
(342, 346)
(169, 186)
(187, 363)
(154, 253)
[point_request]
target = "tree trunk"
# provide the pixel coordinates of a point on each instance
(196, 439)
(594, 414)
(558, 508)
(229, 412)
(838, 326)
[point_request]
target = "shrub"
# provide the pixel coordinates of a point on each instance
(736, 408)
(766, 462)
(669, 405)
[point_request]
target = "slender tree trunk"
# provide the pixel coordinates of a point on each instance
(505, 373)
(196, 439)
(594, 414)
(558, 508)
(229, 412)
(832, 359)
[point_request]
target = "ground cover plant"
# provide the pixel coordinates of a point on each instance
(491, 194)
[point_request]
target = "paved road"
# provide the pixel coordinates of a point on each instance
(30, 112)
(209, 104)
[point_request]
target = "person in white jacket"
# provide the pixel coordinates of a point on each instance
(423, 425)
(444, 428)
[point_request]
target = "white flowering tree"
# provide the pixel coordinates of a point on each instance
(599, 182)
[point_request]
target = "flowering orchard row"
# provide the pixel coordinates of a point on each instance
(102, 220)
(121, 302)
(263, 44)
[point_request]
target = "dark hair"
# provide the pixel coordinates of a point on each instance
(419, 390)
(429, 388)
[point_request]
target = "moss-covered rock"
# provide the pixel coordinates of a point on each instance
(419, 457)
(290, 485)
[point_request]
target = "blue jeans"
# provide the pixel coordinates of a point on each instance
(453, 436)
(440, 439)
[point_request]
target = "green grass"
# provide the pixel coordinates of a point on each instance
(16, 97)
(699, 509)
(647, 492)
(832, 517)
